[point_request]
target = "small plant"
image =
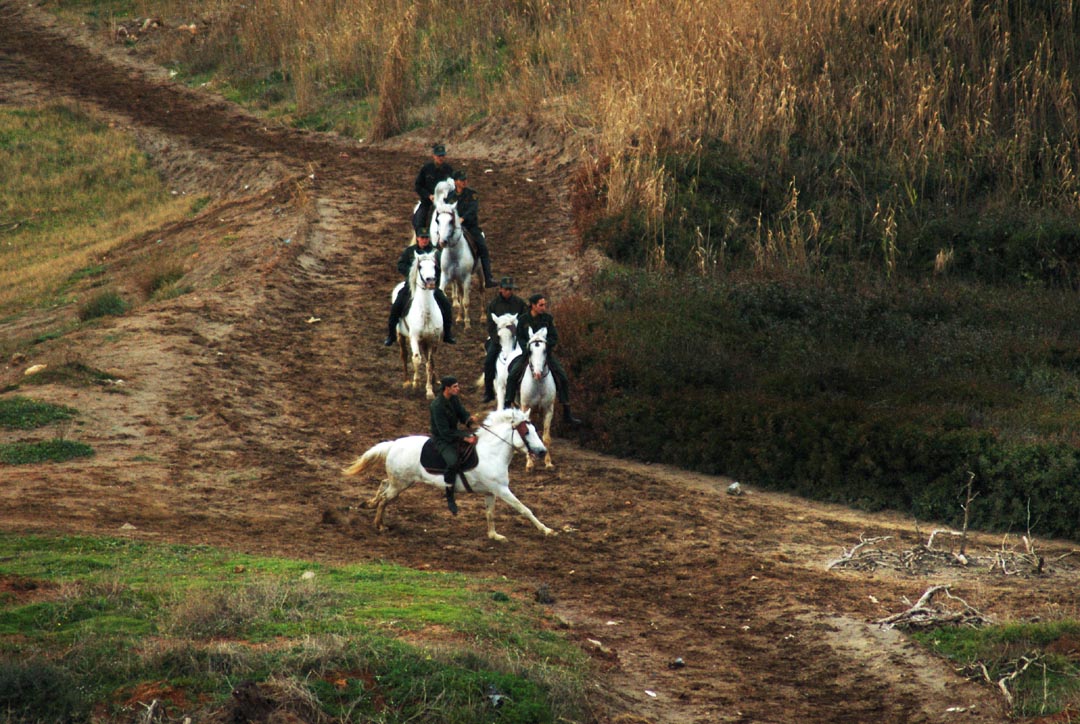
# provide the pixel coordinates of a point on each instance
(56, 451)
(22, 413)
(105, 304)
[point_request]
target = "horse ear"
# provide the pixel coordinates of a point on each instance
(526, 412)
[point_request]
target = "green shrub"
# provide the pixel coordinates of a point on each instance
(34, 691)
(103, 305)
(57, 451)
(871, 396)
(22, 413)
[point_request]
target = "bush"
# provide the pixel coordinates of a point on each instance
(33, 691)
(103, 305)
(874, 397)
(57, 451)
(22, 413)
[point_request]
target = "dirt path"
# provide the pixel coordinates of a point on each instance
(242, 400)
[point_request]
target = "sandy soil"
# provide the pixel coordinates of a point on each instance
(238, 404)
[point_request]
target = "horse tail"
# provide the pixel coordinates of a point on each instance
(372, 456)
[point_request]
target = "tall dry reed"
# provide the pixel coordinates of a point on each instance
(888, 103)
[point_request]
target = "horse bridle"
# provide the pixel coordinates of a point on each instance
(522, 428)
(547, 369)
(453, 226)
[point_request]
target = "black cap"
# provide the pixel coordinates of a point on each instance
(507, 283)
(460, 175)
(448, 381)
(438, 149)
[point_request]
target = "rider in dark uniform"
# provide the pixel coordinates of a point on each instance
(505, 302)
(533, 321)
(431, 173)
(468, 210)
(401, 301)
(446, 413)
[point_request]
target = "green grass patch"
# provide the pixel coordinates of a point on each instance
(1049, 678)
(44, 451)
(110, 615)
(23, 413)
(105, 304)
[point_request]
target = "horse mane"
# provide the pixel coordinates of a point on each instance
(509, 415)
(442, 190)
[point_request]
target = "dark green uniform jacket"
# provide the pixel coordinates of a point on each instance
(528, 325)
(468, 208)
(429, 177)
(405, 261)
(446, 414)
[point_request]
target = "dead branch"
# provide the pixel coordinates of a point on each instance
(1018, 668)
(925, 614)
(930, 540)
(848, 556)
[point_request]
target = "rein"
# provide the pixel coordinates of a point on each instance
(514, 429)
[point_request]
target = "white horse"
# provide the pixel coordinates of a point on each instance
(506, 324)
(457, 261)
(537, 391)
(420, 329)
(502, 432)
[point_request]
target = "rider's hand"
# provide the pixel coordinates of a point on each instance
(471, 439)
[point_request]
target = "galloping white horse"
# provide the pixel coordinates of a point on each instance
(420, 329)
(457, 261)
(506, 324)
(502, 432)
(537, 391)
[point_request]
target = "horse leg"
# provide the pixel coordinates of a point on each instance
(402, 342)
(379, 495)
(417, 366)
(489, 511)
(508, 497)
(548, 414)
(465, 303)
(429, 371)
(388, 491)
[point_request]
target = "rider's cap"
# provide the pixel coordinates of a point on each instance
(438, 149)
(460, 175)
(507, 283)
(422, 233)
(448, 381)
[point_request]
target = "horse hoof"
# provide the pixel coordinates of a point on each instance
(497, 537)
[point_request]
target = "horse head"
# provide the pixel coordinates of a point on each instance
(538, 353)
(425, 271)
(444, 227)
(512, 425)
(506, 329)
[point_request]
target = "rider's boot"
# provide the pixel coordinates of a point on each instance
(489, 392)
(489, 281)
(450, 502)
(568, 416)
(391, 332)
(447, 315)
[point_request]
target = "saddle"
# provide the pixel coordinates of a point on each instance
(432, 460)
(472, 245)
